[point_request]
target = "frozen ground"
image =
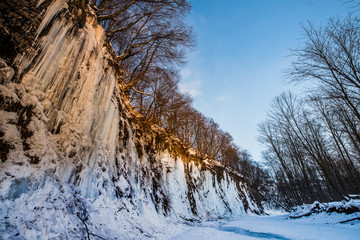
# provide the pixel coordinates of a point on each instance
(280, 227)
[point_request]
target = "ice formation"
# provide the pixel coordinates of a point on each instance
(78, 162)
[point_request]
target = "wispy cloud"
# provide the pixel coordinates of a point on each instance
(191, 87)
(185, 73)
(190, 83)
(220, 98)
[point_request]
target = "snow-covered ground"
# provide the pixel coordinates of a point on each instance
(321, 226)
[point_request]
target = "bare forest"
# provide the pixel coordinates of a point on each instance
(313, 141)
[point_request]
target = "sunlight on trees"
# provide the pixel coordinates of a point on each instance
(150, 39)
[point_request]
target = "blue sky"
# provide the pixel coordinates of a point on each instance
(243, 49)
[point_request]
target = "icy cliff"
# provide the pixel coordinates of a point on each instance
(76, 161)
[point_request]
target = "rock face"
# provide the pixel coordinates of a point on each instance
(76, 161)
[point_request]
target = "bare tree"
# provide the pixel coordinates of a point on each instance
(147, 35)
(331, 58)
(307, 151)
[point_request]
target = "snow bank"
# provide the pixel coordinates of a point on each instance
(350, 208)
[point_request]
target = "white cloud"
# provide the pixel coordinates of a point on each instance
(220, 98)
(185, 73)
(191, 87)
(189, 83)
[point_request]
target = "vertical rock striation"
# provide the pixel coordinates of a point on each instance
(76, 160)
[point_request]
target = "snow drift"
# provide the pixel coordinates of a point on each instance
(348, 209)
(77, 161)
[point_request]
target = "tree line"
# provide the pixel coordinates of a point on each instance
(150, 39)
(313, 141)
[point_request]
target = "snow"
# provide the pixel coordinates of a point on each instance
(347, 208)
(276, 227)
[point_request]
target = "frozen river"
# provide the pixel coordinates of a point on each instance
(275, 227)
